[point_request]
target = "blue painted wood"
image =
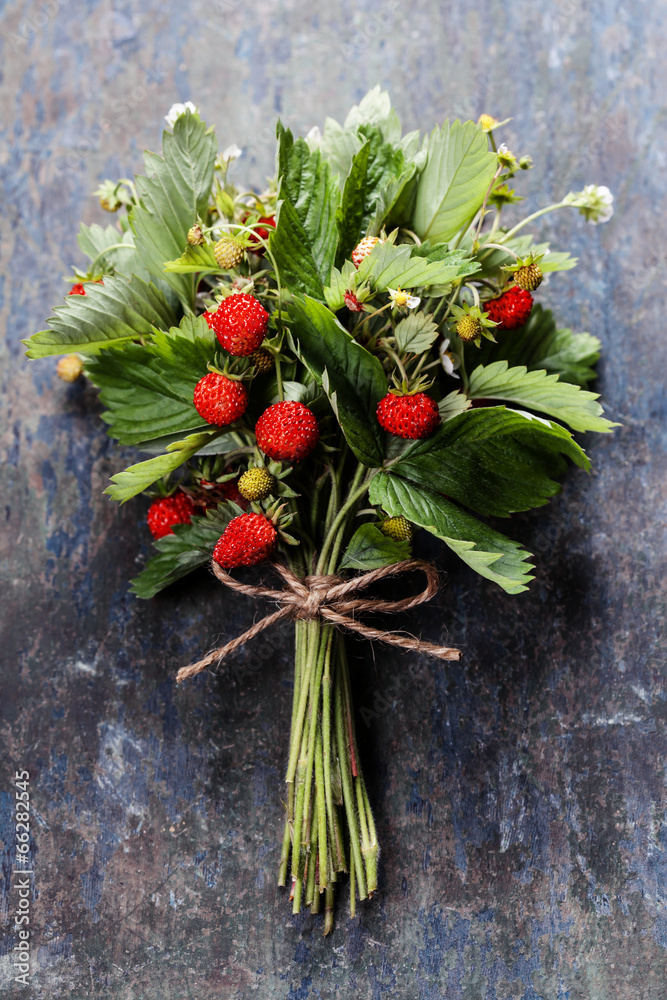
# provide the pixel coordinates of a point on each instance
(520, 795)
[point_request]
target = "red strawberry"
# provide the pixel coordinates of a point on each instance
(210, 318)
(164, 513)
(240, 324)
(79, 289)
(220, 400)
(511, 309)
(267, 222)
(287, 431)
(408, 416)
(247, 540)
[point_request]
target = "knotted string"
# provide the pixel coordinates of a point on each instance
(329, 598)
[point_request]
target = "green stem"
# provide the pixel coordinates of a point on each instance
(102, 253)
(357, 489)
(320, 798)
(348, 796)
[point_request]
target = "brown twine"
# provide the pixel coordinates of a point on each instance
(327, 597)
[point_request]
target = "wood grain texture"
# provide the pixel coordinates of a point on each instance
(520, 795)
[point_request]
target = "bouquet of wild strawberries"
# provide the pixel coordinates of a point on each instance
(315, 372)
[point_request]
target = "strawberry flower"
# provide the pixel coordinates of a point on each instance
(176, 110)
(450, 362)
(595, 203)
(403, 300)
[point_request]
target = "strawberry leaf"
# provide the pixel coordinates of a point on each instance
(137, 478)
(187, 548)
(369, 548)
(116, 312)
(390, 266)
(538, 344)
(353, 379)
(174, 192)
(454, 181)
(488, 552)
(539, 391)
(148, 389)
(494, 460)
(303, 243)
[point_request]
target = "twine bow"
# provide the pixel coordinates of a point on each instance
(329, 598)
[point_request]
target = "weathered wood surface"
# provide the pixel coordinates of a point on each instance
(520, 796)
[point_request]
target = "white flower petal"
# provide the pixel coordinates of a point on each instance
(176, 110)
(231, 153)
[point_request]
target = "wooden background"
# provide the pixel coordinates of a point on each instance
(520, 795)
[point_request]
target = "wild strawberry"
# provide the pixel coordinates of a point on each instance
(240, 324)
(363, 249)
(80, 289)
(247, 540)
(287, 431)
(228, 252)
(195, 236)
(262, 359)
(69, 368)
(263, 226)
(257, 484)
(469, 328)
(398, 528)
(411, 417)
(511, 309)
(164, 513)
(209, 317)
(352, 302)
(528, 277)
(220, 400)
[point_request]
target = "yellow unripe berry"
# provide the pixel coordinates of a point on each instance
(256, 484)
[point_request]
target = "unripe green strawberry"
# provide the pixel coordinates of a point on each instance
(398, 528)
(256, 484)
(228, 253)
(195, 236)
(262, 359)
(469, 328)
(529, 277)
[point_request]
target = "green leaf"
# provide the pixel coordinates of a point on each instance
(304, 240)
(453, 404)
(369, 549)
(196, 259)
(118, 311)
(188, 547)
(350, 213)
(494, 460)
(137, 478)
(416, 333)
(353, 379)
(488, 552)
(148, 390)
(339, 147)
(456, 177)
(390, 266)
(539, 344)
(375, 109)
(539, 391)
(174, 193)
